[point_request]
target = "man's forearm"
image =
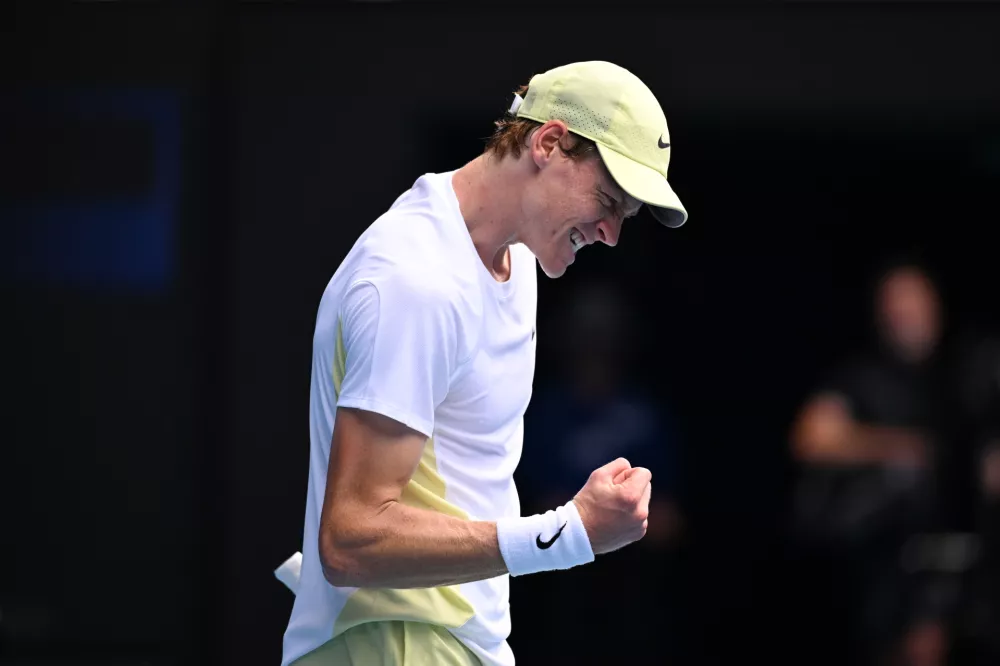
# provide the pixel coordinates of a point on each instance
(399, 546)
(886, 444)
(863, 444)
(826, 432)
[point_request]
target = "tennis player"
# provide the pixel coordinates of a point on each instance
(424, 355)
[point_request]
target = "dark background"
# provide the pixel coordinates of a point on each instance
(180, 183)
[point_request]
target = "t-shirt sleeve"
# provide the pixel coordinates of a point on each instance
(400, 338)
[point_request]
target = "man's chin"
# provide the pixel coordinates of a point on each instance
(553, 272)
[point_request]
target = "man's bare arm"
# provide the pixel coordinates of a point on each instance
(826, 432)
(368, 538)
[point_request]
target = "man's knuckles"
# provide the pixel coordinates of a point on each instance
(627, 499)
(632, 497)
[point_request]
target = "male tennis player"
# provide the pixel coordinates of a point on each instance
(424, 353)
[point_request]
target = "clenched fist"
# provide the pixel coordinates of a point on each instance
(614, 505)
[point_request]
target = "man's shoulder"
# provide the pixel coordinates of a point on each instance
(418, 286)
(421, 227)
(418, 283)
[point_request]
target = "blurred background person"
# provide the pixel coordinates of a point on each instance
(982, 602)
(977, 636)
(877, 448)
(591, 406)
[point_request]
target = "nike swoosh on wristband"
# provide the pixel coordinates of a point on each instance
(546, 544)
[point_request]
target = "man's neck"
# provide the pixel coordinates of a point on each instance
(488, 197)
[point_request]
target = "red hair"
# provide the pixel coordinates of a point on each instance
(511, 136)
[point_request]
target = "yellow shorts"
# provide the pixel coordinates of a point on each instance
(392, 643)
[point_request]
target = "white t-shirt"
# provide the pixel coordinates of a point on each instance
(413, 326)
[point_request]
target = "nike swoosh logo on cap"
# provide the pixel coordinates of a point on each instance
(660, 143)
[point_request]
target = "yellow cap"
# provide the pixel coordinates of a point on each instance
(610, 106)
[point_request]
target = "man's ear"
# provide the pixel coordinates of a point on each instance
(544, 142)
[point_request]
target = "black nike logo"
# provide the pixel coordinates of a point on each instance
(546, 544)
(660, 143)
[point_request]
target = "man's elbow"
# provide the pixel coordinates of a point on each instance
(342, 561)
(807, 448)
(803, 445)
(818, 433)
(813, 448)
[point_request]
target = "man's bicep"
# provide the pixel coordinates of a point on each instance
(372, 458)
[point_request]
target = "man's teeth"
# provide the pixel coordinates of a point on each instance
(576, 238)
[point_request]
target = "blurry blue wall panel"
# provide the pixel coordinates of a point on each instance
(89, 184)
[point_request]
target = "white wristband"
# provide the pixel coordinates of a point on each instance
(544, 542)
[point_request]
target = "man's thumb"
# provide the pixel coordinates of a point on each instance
(614, 469)
(638, 477)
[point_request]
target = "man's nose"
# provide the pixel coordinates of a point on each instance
(608, 231)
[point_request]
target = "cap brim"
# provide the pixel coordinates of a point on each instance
(647, 185)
